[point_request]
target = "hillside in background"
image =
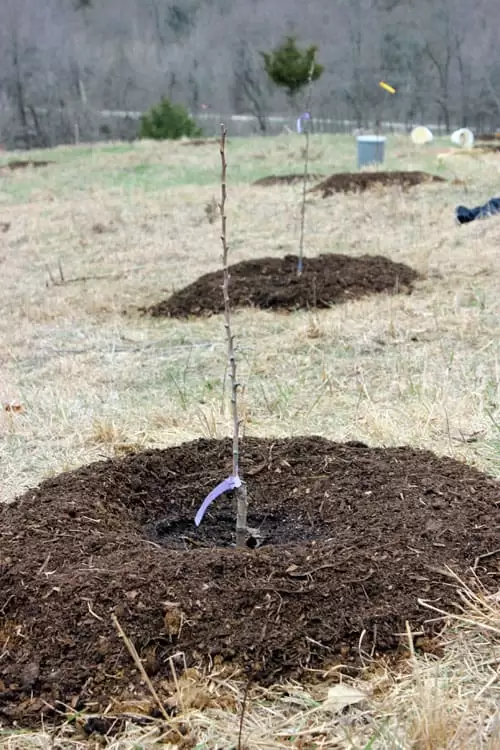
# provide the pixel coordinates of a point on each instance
(63, 61)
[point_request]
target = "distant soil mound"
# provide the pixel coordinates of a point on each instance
(24, 163)
(358, 182)
(273, 283)
(285, 179)
(199, 142)
(488, 137)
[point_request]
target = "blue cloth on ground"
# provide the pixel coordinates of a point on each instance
(464, 215)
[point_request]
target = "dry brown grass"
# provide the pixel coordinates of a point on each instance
(420, 370)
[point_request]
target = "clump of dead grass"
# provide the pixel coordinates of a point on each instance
(451, 701)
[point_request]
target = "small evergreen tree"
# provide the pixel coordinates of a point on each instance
(292, 68)
(168, 121)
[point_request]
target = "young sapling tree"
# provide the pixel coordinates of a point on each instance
(306, 117)
(293, 68)
(233, 482)
(240, 491)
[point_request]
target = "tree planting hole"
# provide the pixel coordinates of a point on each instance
(218, 529)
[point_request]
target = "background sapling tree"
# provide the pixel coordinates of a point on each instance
(168, 121)
(292, 68)
(233, 482)
(304, 123)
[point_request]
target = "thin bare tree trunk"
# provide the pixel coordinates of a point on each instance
(240, 492)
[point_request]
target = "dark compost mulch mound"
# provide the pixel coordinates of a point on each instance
(285, 179)
(23, 164)
(200, 142)
(273, 283)
(488, 137)
(352, 537)
(347, 182)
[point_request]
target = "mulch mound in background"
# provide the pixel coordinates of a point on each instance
(347, 182)
(273, 283)
(199, 142)
(23, 164)
(285, 179)
(352, 537)
(488, 137)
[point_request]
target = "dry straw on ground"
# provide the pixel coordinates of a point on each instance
(423, 370)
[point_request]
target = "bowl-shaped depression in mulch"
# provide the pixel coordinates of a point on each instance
(352, 537)
(358, 182)
(273, 283)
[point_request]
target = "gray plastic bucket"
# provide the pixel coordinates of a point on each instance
(370, 149)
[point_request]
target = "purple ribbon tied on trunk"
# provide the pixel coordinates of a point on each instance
(230, 483)
(303, 116)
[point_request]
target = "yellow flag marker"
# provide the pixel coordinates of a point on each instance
(384, 85)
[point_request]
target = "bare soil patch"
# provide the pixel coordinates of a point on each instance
(347, 182)
(285, 179)
(352, 537)
(273, 283)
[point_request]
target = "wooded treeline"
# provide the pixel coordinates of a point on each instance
(63, 61)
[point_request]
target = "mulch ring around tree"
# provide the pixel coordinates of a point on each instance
(351, 538)
(358, 182)
(285, 179)
(273, 283)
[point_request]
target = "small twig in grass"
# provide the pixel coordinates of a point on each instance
(138, 663)
(242, 715)
(51, 277)
(176, 681)
(240, 492)
(483, 556)
(62, 281)
(300, 264)
(494, 677)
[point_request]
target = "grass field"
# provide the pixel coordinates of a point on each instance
(107, 229)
